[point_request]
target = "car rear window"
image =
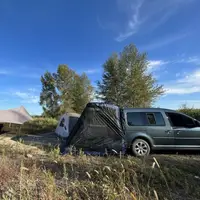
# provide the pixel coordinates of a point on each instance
(145, 119)
(135, 119)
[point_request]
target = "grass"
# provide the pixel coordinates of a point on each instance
(49, 176)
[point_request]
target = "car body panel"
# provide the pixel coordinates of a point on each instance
(187, 137)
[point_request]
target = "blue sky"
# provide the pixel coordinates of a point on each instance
(36, 36)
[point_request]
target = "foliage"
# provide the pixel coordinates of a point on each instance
(64, 91)
(49, 97)
(192, 112)
(35, 126)
(81, 93)
(126, 80)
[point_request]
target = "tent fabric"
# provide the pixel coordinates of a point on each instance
(66, 123)
(98, 129)
(14, 116)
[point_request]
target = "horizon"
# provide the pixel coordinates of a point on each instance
(37, 36)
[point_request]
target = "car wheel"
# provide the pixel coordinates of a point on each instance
(140, 148)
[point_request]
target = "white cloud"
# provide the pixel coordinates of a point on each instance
(176, 104)
(177, 74)
(92, 71)
(142, 13)
(155, 64)
(133, 22)
(187, 85)
(192, 59)
(27, 97)
(32, 89)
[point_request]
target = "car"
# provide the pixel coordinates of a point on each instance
(148, 129)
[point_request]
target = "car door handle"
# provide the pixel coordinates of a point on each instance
(178, 132)
(168, 131)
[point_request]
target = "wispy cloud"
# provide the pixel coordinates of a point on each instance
(187, 85)
(4, 72)
(155, 64)
(133, 22)
(92, 71)
(164, 41)
(192, 59)
(142, 13)
(27, 97)
(20, 73)
(32, 89)
(175, 104)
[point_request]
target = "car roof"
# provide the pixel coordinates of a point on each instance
(149, 109)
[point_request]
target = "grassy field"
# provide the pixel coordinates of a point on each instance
(29, 172)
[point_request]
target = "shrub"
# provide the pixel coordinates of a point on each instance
(192, 112)
(35, 126)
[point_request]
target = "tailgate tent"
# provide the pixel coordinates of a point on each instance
(97, 129)
(14, 116)
(66, 123)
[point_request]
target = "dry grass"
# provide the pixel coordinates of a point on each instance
(48, 176)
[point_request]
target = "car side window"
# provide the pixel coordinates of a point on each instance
(155, 119)
(179, 120)
(135, 119)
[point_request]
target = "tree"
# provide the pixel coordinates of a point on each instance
(80, 91)
(64, 91)
(126, 80)
(49, 99)
(64, 83)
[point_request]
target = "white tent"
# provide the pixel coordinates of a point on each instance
(14, 116)
(66, 123)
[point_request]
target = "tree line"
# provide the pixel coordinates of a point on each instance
(126, 82)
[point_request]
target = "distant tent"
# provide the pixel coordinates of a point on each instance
(66, 123)
(97, 129)
(14, 116)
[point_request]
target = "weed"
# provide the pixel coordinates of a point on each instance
(52, 176)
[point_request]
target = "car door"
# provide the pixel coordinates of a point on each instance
(159, 129)
(186, 132)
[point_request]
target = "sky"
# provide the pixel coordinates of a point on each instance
(37, 35)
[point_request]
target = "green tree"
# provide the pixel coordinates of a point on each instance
(64, 91)
(49, 99)
(126, 80)
(64, 82)
(81, 92)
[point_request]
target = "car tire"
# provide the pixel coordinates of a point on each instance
(140, 148)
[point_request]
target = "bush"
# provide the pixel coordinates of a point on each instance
(35, 126)
(192, 112)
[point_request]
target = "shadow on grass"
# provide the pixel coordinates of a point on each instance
(46, 141)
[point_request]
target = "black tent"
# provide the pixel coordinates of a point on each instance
(99, 128)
